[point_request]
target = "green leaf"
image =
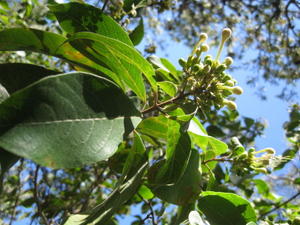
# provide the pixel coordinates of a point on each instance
(165, 67)
(104, 211)
(75, 219)
(168, 87)
(76, 17)
(187, 186)
(122, 59)
(297, 181)
(66, 120)
(137, 34)
(156, 127)
(204, 141)
(7, 160)
(51, 44)
(15, 76)
(226, 208)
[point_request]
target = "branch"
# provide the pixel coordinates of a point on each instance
(157, 106)
(279, 206)
(36, 196)
(223, 159)
(152, 213)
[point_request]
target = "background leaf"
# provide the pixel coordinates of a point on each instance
(66, 120)
(226, 208)
(76, 17)
(137, 34)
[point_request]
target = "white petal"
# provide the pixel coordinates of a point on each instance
(195, 218)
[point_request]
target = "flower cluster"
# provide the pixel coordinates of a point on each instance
(205, 77)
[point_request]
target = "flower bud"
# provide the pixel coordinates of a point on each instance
(203, 37)
(198, 52)
(204, 47)
(182, 62)
(228, 61)
(189, 61)
(261, 170)
(226, 33)
(221, 68)
(229, 83)
(206, 69)
(237, 90)
(196, 68)
(208, 57)
(230, 104)
(270, 151)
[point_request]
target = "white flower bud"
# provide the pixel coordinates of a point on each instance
(203, 37)
(204, 47)
(228, 61)
(237, 90)
(226, 33)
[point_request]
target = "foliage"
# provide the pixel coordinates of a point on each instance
(122, 130)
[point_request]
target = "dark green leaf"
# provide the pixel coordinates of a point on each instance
(137, 34)
(188, 185)
(297, 180)
(104, 211)
(226, 208)
(66, 120)
(76, 17)
(15, 76)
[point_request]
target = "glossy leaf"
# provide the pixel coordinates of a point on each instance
(66, 120)
(51, 44)
(226, 208)
(204, 141)
(137, 34)
(15, 76)
(75, 17)
(3, 93)
(123, 59)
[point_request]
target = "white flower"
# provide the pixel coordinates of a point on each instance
(195, 218)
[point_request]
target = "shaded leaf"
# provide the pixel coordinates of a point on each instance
(104, 211)
(76, 114)
(15, 76)
(226, 208)
(137, 34)
(188, 185)
(75, 17)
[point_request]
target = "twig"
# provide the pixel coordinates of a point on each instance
(224, 159)
(157, 106)
(36, 196)
(152, 213)
(104, 5)
(280, 205)
(20, 168)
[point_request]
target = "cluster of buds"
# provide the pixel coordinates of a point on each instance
(246, 161)
(205, 77)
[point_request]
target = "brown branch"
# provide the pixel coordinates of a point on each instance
(151, 214)
(279, 206)
(157, 106)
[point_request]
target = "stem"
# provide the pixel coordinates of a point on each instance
(104, 5)
(224, 159)
(36, 196)
(279, 206)
(220, 50)
(156, 106)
